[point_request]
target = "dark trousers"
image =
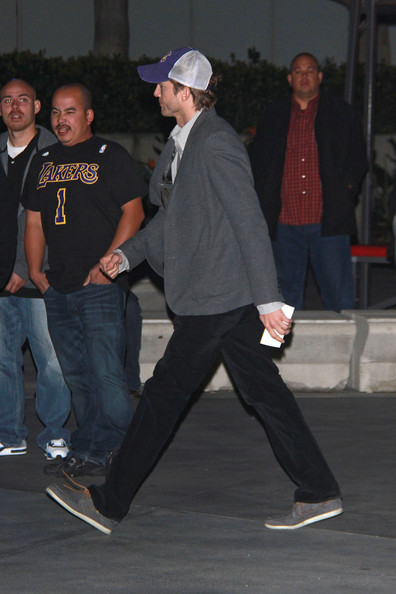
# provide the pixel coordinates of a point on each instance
(133, 332)
(195, 345)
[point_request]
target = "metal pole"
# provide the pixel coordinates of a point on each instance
(365, 221)
(353, 50)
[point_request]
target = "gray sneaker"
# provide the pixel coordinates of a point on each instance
(77, 500)
(306, 513)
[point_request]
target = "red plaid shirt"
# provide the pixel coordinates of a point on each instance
(301, 192)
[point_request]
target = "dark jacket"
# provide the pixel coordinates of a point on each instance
(8, 229)
(18, 263)
(342, 161)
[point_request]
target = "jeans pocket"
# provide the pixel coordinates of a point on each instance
(45, 294)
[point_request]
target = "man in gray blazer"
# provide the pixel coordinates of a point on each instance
(210, 241)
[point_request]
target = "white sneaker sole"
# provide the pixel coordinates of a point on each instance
(325, 516)
(56, 456)
(13, 452)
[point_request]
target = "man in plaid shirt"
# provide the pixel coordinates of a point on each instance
(308, 160)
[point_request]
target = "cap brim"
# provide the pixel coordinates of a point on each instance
(153, 73)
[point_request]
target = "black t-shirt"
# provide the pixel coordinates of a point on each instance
(79, 191)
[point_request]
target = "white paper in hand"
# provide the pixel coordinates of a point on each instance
(267, 339)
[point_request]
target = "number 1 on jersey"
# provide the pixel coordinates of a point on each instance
(60, 217)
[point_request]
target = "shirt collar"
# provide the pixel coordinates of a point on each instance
(180, 133)
(312, 105)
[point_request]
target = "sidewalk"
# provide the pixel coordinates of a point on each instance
(197, 524)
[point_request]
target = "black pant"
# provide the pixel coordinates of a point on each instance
(193, 348)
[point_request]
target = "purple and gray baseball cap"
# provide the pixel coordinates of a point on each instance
(185, 65)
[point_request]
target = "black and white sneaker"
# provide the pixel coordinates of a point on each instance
(13, 450)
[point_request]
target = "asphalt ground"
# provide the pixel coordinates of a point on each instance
(197, 524)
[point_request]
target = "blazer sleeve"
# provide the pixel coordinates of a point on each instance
(147, 244)
(229, 171)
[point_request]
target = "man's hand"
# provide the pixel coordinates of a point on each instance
(15, 283)
(96, 277)
(40, 280)
(110, 264)
(276, 323)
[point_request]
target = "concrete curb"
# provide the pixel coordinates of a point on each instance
(327, 351)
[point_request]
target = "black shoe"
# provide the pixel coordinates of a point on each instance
(74, 467)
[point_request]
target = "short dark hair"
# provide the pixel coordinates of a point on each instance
(85, 93)
(308, 55)
(202, 99)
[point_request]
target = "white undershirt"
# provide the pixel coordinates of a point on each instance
(180, 135)
(14, 151)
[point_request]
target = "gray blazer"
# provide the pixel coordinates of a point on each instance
(211, 241)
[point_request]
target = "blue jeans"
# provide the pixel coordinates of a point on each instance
(22, 318)
(88, 331)
(330, 258)
(133, 326)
